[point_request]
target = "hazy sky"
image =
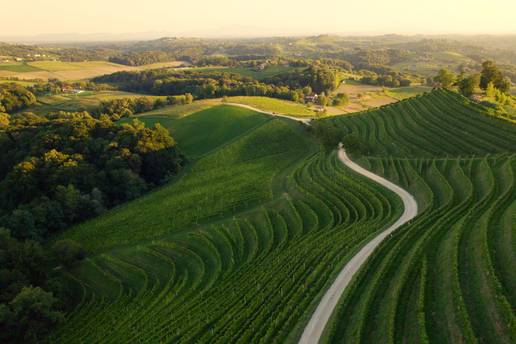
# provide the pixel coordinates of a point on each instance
(256, 17)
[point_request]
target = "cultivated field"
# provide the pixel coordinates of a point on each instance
(448, 276)
(241, 246)
(69, 70)
(363, 97)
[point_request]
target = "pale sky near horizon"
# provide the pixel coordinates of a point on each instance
(256, 17)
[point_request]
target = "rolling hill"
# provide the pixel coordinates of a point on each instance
(240, 248)
(446, 277)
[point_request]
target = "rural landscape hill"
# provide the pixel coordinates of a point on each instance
(241, 190)
(291, 214)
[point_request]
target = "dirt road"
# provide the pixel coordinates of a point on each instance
(305, 120)
(319, 319)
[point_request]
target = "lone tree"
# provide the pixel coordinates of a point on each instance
(468, 85)
(329, 135)
(68, 252)
(445, 78)
(491, 74)
(341, 99)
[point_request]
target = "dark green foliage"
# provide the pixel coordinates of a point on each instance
(353, 144)
(141, 58)
(340, 99)
(14, 97)
(126, 107)
(31, 315)
(56, 86)
(329, 135)
(445, 78)
(68, 252)
(68, 167)
(214, 84)
(491, 73)
(27, 311)
(468, 85)
(389, 79)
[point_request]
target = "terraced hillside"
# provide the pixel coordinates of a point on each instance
(241, 247)
(448, 277)
(234, 251)
(439, 124)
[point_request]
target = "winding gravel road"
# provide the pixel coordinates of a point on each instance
(315, 327)
(305, 120)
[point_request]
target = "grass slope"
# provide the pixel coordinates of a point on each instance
(274, 105)
(235, 177)
(208, 129)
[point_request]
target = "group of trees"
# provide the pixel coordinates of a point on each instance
(31, 297)
(55, 86)
(318, 76)
(213, 84)
(490, 79)
(340, 99)
(14, 97)
(330, 136)
(126, 107)
(388, 80)
(491, 74)
(141, 58)
(67, 167)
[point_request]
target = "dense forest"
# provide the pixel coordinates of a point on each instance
(57, 170)
(213, 84)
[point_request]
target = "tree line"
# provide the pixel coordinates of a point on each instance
(126, 107)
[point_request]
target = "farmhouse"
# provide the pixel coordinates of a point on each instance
(311, 98)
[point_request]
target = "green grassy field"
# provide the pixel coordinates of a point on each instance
(219, 125)
(18, 67)
(447, 277)
(274, 105)
(179, 111)
(241, 246)
(401, 93)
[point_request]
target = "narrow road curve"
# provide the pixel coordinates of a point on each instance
(305, 120)
(315, 327)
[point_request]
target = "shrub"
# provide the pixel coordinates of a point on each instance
(68, 251)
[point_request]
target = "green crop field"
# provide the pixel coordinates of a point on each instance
(240, 247)
(447, 277)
